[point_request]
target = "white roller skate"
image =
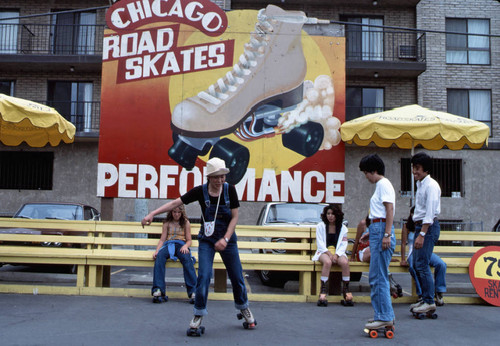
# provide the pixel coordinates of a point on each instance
(195, 327)
(425, 310)
(159, 297)
(250, 321)
(372, 328)
(249, 99)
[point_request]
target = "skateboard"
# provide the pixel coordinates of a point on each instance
(387, 330)
(247, 325)
(429, 314)
(195, 331)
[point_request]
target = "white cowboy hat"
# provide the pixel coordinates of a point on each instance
(216, 166)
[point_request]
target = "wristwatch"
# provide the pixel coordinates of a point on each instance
(226, 239)
(422, 234)
(386, 235)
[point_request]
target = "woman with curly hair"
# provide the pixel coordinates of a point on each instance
(331, 241)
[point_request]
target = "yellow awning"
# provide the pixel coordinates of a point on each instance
(36, 124)
(409, 126)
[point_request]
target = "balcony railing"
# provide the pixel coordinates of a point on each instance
(85, 115)
(51, 39)
(395, 46)
(353, 112)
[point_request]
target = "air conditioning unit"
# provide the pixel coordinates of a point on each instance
(407, 52)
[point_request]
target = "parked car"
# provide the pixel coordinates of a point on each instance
(288, 215)
(52, 211)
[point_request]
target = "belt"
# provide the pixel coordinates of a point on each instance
(419, 222)
(378, 220)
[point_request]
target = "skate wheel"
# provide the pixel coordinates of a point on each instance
(305, 140)
(245, 325)
(239, 316)
(389, 334)
(184, 154)
(236, 157)
(434, 316)
(420, 316)
(373, 334)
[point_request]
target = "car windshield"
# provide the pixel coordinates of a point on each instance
(50, 211)
(295, 213)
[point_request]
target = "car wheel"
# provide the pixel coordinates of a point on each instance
(272, 278)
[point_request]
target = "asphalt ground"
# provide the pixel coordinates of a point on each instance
(84, 320)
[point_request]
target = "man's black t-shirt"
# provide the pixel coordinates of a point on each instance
(196, 194)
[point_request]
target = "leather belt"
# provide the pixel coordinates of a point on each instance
(419, 222)
(378, 220)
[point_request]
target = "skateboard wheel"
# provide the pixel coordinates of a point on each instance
(305, 140)
(373, 334)
(236, 157)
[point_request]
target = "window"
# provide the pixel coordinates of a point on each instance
(469, 103)
(468, 48)
(364, 42)
(447, 172)
(7, 87)
(363, 101)
(26, 170)
(73, 33)
(74, 101)
(8, 32)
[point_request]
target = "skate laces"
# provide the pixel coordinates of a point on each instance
(246, 313)
(255, 48)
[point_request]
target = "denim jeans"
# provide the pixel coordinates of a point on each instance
(231, 258)
(379, 272)
(422, 260)
(439, 270)
(187, 265)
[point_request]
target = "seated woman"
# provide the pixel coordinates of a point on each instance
(174, 243)
(331, 235)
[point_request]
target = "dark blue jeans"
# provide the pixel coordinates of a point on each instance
(187, 265)
(231, 258)
(422, 260)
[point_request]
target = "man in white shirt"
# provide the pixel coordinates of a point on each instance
(382, 241)
(427, 229)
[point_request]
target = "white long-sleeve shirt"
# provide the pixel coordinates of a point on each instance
(427, 200)
(321, 241)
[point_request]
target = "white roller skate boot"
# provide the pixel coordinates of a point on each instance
(271, 68)
(250, 321)
(195, 327)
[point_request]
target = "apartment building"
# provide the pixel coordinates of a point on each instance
(397, 53)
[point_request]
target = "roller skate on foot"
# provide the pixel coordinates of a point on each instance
(322, 301)
(396, 289)
(195, 327)
(372, 328)
(425, 310)
(439, 299)
(347, 301)
(159, 297)
(237, 102)
(419, 302)
(250, 321)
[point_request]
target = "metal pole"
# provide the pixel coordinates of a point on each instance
(412, 199)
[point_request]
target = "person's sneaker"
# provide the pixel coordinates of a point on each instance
(157, 293)
(195, 322)
(419, 302)
(378, 324)
(247, 315)
(192, 298)
(425, 307)
(439, 299)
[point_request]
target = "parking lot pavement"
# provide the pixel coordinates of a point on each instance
(83, 320)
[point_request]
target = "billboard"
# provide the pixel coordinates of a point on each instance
(184, 81)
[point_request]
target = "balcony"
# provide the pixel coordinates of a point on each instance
(85, 115)
(54, 47)
(384, 53)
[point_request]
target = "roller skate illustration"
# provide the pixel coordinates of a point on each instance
(248, 101)
(396, 289)
(425, 310)
(373, 328)
(250, 322)
(195, 327)
(347, 301)
(322, 301)
(159, 297)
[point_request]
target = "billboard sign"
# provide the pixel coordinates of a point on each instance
(184, 81)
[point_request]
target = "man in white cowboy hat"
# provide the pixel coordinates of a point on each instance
(219, 204)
